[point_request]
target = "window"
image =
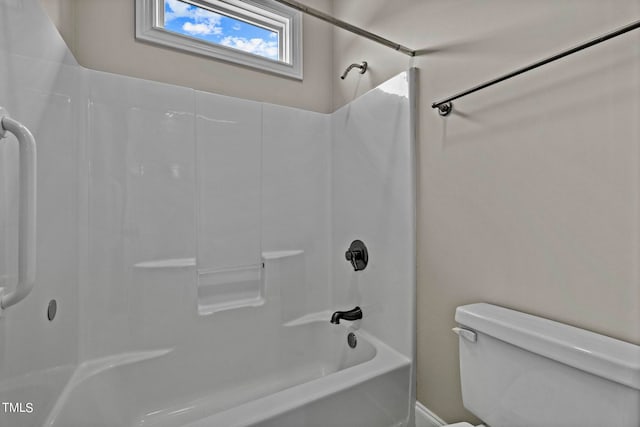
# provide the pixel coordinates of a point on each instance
(261, 34)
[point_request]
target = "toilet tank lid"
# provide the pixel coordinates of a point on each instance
(600, 355)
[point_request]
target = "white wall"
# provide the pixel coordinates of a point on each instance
(528, 194)
(143, 185)
(101, 35)
(187, 191)
(373, 201)
(40, 87)
(142, 197)
(296, 203)
(117, 213)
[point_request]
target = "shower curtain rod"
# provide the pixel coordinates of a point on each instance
(445, 106)
(346, 26)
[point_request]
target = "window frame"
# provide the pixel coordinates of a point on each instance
(268, 14)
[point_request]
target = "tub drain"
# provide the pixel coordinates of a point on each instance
(352, 340)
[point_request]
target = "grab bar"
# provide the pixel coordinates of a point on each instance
(26, 211)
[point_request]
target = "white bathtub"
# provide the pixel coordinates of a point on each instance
(315, 380)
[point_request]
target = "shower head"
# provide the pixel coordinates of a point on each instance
(363, 69)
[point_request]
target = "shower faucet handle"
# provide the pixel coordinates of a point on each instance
(352, 256)
(357, 255)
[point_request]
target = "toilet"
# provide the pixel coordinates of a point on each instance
(519, 370)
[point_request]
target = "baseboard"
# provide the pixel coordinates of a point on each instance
(426, 418)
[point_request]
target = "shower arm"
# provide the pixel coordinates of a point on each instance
(363, 69)
(26, 211)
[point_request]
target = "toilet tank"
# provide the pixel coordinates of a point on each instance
(519, 370)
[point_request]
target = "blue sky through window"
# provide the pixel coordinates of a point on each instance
(193, 21)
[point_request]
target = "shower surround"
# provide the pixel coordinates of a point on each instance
(195, 246)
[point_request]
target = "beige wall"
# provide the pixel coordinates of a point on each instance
(101, 35)
(528, 194)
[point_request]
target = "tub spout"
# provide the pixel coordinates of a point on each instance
(354, 314)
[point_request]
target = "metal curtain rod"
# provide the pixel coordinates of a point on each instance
(445, 106)
(346, 26)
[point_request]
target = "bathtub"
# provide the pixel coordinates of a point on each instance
(315, 379)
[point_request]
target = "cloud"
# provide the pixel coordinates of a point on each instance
(237, 27)
(178, 9)
(200, 21)
(256, 46)
(201, 29)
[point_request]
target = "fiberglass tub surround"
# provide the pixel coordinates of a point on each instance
(195, 245)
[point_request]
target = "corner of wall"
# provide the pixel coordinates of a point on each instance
(62, 14)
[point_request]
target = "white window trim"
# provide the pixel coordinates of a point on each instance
(268, 14)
